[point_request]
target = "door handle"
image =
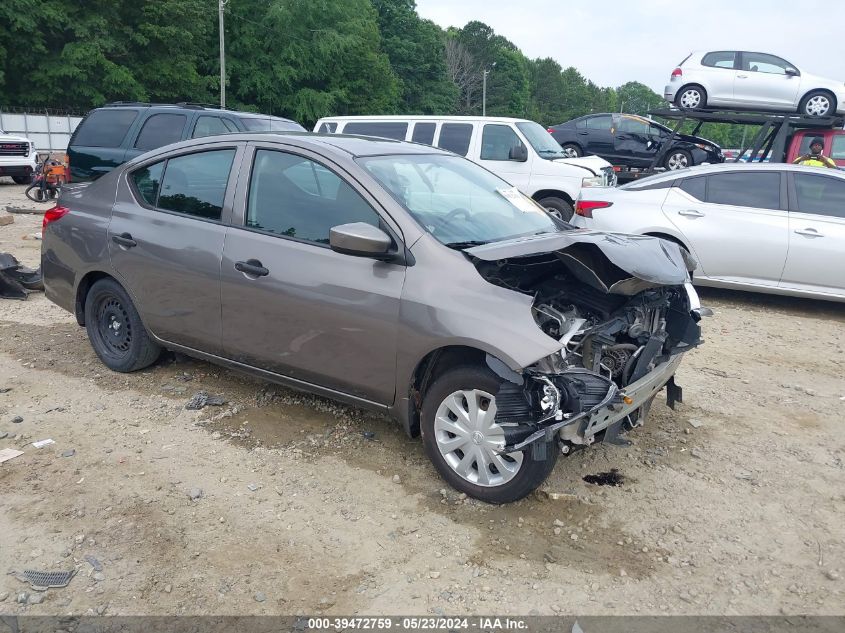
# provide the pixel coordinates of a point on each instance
(691, 213)
(809, 233)
(124, 239)
(583, 133)
(742, 76)
(252, 267)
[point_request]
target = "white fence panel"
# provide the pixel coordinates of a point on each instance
(49, 133)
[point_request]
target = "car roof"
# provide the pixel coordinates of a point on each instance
(134, 105)
(706, 170)
(353, 145)
(426, 117)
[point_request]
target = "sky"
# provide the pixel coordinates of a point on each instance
(612, 42)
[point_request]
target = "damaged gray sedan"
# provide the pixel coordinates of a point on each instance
(388, 275)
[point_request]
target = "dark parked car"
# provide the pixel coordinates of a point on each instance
(117, 132)
(632, 141)
(391, 275)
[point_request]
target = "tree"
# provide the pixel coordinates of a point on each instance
(463, 71)
(309, 59)
(416, 50)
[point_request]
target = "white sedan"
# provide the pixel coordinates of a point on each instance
(774, 228)
(741, 79)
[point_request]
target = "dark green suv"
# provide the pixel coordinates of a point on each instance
(117, 132)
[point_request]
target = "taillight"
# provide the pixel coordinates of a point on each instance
(677, 73)
(51, 215)
(550, 131)
(584, 208)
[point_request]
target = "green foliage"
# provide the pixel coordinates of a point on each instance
(416, 49)
(299, 58)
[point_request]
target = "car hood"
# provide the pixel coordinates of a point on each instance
(611, 262)
(12, 138)
(592, 164)
(689, 138)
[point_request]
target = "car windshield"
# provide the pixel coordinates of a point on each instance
(458, 202)
(256, 124)
(542, 142)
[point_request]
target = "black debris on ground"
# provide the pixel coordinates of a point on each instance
(612, 478)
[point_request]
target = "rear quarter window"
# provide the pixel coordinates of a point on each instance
(719, 59)
(104, 128)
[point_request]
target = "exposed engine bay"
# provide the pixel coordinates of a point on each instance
(617, 331)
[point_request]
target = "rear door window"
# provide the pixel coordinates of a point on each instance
(719, 59)
(424, 133)
(160, 130)
(104, 128)
(195, 184)
(599, 123)
(696, 187)
(386, 129)
(760, 190)
(821, 195)
(455, 137)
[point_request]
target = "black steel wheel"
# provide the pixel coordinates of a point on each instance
(115, 330)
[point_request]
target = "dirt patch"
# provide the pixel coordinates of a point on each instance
(732, 504)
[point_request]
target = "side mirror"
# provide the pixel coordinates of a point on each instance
(360, 239)
(518, 153)
(792, 72)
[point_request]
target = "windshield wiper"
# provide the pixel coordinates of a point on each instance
(467, 244)
(550, 151)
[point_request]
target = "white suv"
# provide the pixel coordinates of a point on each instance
(519, 151)
(17, 158)
(751, 80)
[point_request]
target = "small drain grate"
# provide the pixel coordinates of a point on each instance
(48, 579)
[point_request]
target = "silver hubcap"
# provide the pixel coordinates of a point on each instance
(677, 161)
(818, 105)
(554, 212)
(468, 439)
(691, 99)
(570, 152)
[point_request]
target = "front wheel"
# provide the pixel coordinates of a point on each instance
(462, 438)
(557, 207)
(572, 150)
(115, 330)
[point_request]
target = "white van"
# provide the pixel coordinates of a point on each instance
(519, 151)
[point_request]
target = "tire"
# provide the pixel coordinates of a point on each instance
(115, 330)
(572, 150)
(817, 103)
(691, 97)
(508, 478)
(22, 180)
(677, 159)
(557, 207)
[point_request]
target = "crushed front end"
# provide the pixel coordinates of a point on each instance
(622, 338)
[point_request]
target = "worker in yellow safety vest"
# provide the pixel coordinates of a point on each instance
(815, 158)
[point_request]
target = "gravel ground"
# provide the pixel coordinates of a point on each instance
(278, 502)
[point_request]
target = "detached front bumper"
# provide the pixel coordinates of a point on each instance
(634, 397)
(615, 406)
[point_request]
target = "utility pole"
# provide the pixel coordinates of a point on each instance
(484, 89)
(221, 5)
